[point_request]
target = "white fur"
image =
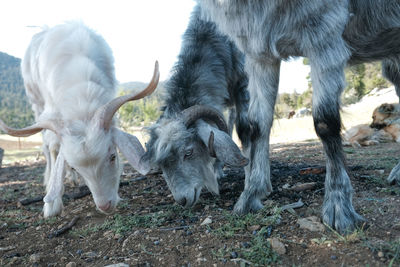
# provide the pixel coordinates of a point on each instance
(68, 72)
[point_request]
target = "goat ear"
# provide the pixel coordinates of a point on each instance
(221, 145)
(55, 184)
(132, 149)
(386, 108)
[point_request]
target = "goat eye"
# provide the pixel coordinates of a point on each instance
(112, 157)
(188, 153)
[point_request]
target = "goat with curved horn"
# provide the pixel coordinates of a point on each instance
(190, 142)
(30, 130)
(193, 113)
(74, 93)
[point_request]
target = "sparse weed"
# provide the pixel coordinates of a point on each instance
(122, 224)
(390, 250)
(236, 223)
(51, 220)
(259, 251)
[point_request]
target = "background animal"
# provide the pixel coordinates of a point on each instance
(365, 135)
(190, 141)
(291, 114)
(69, 77)
(331, 34)
(387, 118)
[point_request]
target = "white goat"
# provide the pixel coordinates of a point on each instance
(69, 77)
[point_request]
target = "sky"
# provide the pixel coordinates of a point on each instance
(138, 31)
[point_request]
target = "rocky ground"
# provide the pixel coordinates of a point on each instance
(149, 229)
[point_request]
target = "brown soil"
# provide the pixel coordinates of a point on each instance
(149, 229)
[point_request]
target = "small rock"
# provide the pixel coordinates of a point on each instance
(245, 244)
(108, 234)
(90, 254)
(206, 221)
(380, 254)
(254, 228)
(71, 264)
(117, 236)
(311, 223)
(234, 255)
(303, 187)
(201, 259)
(34, 258)
(156, 242)
(286, 186)
(277, 246)
(8, 248)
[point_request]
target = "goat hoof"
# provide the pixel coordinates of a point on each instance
(341, 216)
(246, 205)
(51, 209)
(394, 176)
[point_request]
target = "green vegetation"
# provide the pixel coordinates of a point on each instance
(15, 109)
(390, 250)
(123, 224)
(143, 111)
(258, 251)
(361, 79)
(140, 112)
(236, 223)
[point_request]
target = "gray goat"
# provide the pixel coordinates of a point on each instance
(191, 141)
(331, 34)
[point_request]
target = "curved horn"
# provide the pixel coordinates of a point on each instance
(105, 114)
(28, 131)
(192, 114)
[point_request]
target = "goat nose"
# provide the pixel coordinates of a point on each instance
(106, 207)
(182, 201)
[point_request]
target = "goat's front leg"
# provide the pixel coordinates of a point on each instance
(391, 71)
(263, 87)
(53, 204)
(328, 82)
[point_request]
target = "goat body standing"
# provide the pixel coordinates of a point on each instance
(68, 71)
(331, 34)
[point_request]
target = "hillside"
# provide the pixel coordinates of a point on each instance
(15, 109)
(141, 112)
(357, 113)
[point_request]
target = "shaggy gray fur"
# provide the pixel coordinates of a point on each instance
(331, 34)
(210, 72)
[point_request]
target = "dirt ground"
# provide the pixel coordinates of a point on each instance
(149, 229)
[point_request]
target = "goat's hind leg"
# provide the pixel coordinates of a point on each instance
(263, 87)
(337, 210)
